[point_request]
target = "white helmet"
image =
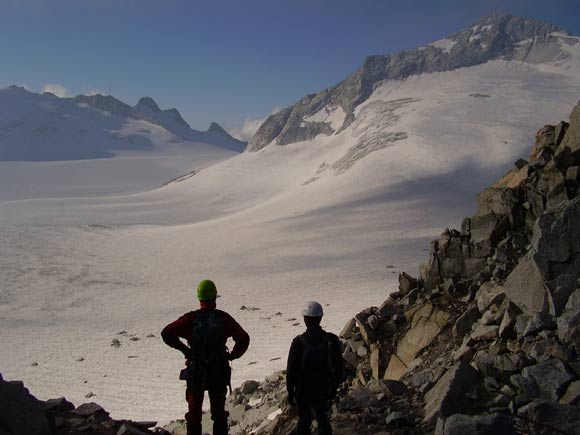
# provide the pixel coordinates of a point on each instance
(312, 309)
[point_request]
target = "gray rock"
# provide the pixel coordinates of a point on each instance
(551, 378)
(406, 283)
(464, 322)
(447, 397)
(249, 387)
(508, 322)
(572, 394)
(569, 327)
(573, 300)
(552, 417)
(396, 418)
(538, 322)
(488, 294)
(348, 329)
(459, 424)
(357, 399)
(525, 286)
(484, 332)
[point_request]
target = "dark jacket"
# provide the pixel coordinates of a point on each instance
(182, 329)
(297, 382)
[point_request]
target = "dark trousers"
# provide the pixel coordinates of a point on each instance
(305, 404)
(217, 401)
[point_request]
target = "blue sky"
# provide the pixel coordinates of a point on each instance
(228, 61)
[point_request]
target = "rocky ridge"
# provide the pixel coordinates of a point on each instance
(148, 110)
(492, 37)
(485, 340)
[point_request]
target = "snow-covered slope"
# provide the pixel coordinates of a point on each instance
(35, 127)
(332, 218)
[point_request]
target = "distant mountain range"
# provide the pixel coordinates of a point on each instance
(44, 127)
(495, 37)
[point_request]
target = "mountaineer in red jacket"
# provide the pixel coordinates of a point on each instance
(207, 358)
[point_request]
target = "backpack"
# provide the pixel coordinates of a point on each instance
(209, 366)
(317, 369)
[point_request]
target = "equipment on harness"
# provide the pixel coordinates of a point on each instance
(209, 363)
(316, 369)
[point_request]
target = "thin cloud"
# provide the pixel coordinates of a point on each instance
(251, 126)
(56, 89)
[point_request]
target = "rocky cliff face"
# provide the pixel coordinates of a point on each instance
(492, 37)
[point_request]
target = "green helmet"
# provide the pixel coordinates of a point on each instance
(206, 290)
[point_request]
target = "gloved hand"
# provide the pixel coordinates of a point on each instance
(291, 400)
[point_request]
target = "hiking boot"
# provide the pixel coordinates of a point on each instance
(193, 429)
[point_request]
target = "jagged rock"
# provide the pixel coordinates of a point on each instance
(484, 332)
(572, 135)
(538, 322)
(525, 286)
(21, 412)
(396, 418)
(499, 366)
(572, 394)
(406, 283)
(375, 362)
(447, 397)
(558, 292)
(357, 399)
(494, 314)
(127, 429)
(573, 300)
(550, 377)
(427, 324)
(249, 387)
(367, 333)
(58, 405)
(348, 329)
(464, 353)
(464, 322)
(459, 424)
(500, 201)
(552, 417)
(569, 327)
(488, 294)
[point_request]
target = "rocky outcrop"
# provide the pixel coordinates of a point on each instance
(486, 340)
(492, 37)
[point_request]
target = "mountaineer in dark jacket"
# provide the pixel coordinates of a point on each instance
(207, 358)
(314, 372)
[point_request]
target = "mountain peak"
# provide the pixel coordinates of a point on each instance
(216, 128)
(492, 37)
(149, 103)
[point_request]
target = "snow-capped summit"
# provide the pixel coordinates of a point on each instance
(495, 37)
(44, 127)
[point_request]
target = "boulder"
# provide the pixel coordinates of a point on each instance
(508, 322)
(249, 387)
(406, 283)
(573, 300)
(484, 332)
(551, 378)
(460, 424)
(21, 412)
(501, 201)
(357, 399)
(572, 394)
(552, 417)
(556, 235)
(448, 395)
(464, 322)
(348, 329)
(427, 323)
(525, 286)
(569, 327)
(572, 136)
(538, 322)
(488, 294)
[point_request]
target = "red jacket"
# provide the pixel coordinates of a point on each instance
(183, 327)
